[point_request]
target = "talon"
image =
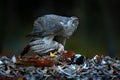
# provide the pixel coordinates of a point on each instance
(53, 54)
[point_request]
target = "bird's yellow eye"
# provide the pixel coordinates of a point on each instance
(53, 54)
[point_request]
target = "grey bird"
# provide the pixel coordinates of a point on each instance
(51, 31)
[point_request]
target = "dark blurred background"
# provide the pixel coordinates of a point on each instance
(98, 32)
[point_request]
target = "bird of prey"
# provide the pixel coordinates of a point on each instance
(51, 31)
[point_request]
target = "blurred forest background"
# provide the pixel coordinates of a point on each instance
(98, 32)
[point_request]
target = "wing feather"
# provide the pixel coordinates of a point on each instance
(48, 25)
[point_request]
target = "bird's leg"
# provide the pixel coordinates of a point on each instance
(61, 48)
(61, 44)
(64, 41)
(60, 39)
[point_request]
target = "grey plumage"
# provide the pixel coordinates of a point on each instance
(52, 30)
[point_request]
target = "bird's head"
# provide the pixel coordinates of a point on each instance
(70, 26)
(73, 22)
